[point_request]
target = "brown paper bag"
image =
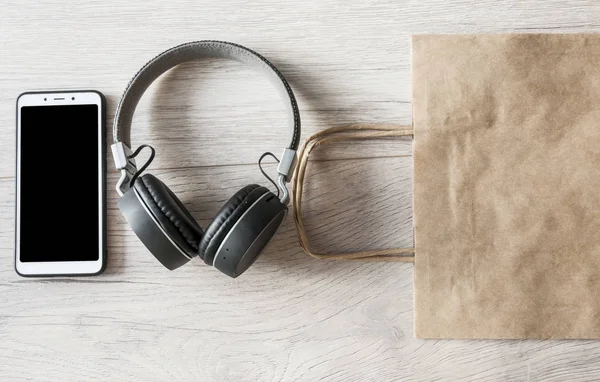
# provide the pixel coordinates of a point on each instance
(507, 186)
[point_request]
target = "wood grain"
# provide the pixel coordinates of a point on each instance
(290, 317)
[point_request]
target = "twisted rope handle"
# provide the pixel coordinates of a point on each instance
(337, 134)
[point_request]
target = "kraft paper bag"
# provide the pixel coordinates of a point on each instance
(507, 186)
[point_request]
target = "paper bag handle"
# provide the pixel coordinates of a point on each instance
(337, 134)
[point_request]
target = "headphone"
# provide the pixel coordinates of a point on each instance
(245, 224)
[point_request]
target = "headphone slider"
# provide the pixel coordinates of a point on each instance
(287, 164)
(124, 161)
(121, 154)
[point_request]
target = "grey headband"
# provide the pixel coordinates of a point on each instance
(194, 51)
(122, 153)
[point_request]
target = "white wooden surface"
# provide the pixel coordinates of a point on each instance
(290, 317)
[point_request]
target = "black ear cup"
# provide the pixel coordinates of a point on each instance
(225, 218)
(161, 221)
(172, 215)
(241, 229)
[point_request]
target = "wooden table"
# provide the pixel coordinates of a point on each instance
(290, 317)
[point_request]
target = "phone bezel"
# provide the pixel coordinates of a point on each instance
(64, 268)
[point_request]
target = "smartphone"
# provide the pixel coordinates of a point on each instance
(60, 184)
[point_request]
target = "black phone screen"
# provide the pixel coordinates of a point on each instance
(59, 183)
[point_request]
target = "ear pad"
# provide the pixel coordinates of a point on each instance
(226, 218)
(170, 213)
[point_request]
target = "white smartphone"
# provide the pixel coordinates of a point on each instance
(60, 196)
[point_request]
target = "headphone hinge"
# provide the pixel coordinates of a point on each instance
(125, 163)
(286, 170)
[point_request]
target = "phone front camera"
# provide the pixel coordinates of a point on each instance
(45, 99)
(73, 98)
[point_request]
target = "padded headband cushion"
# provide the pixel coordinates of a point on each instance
(195, 51)
(226, 219)
(170, 213)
